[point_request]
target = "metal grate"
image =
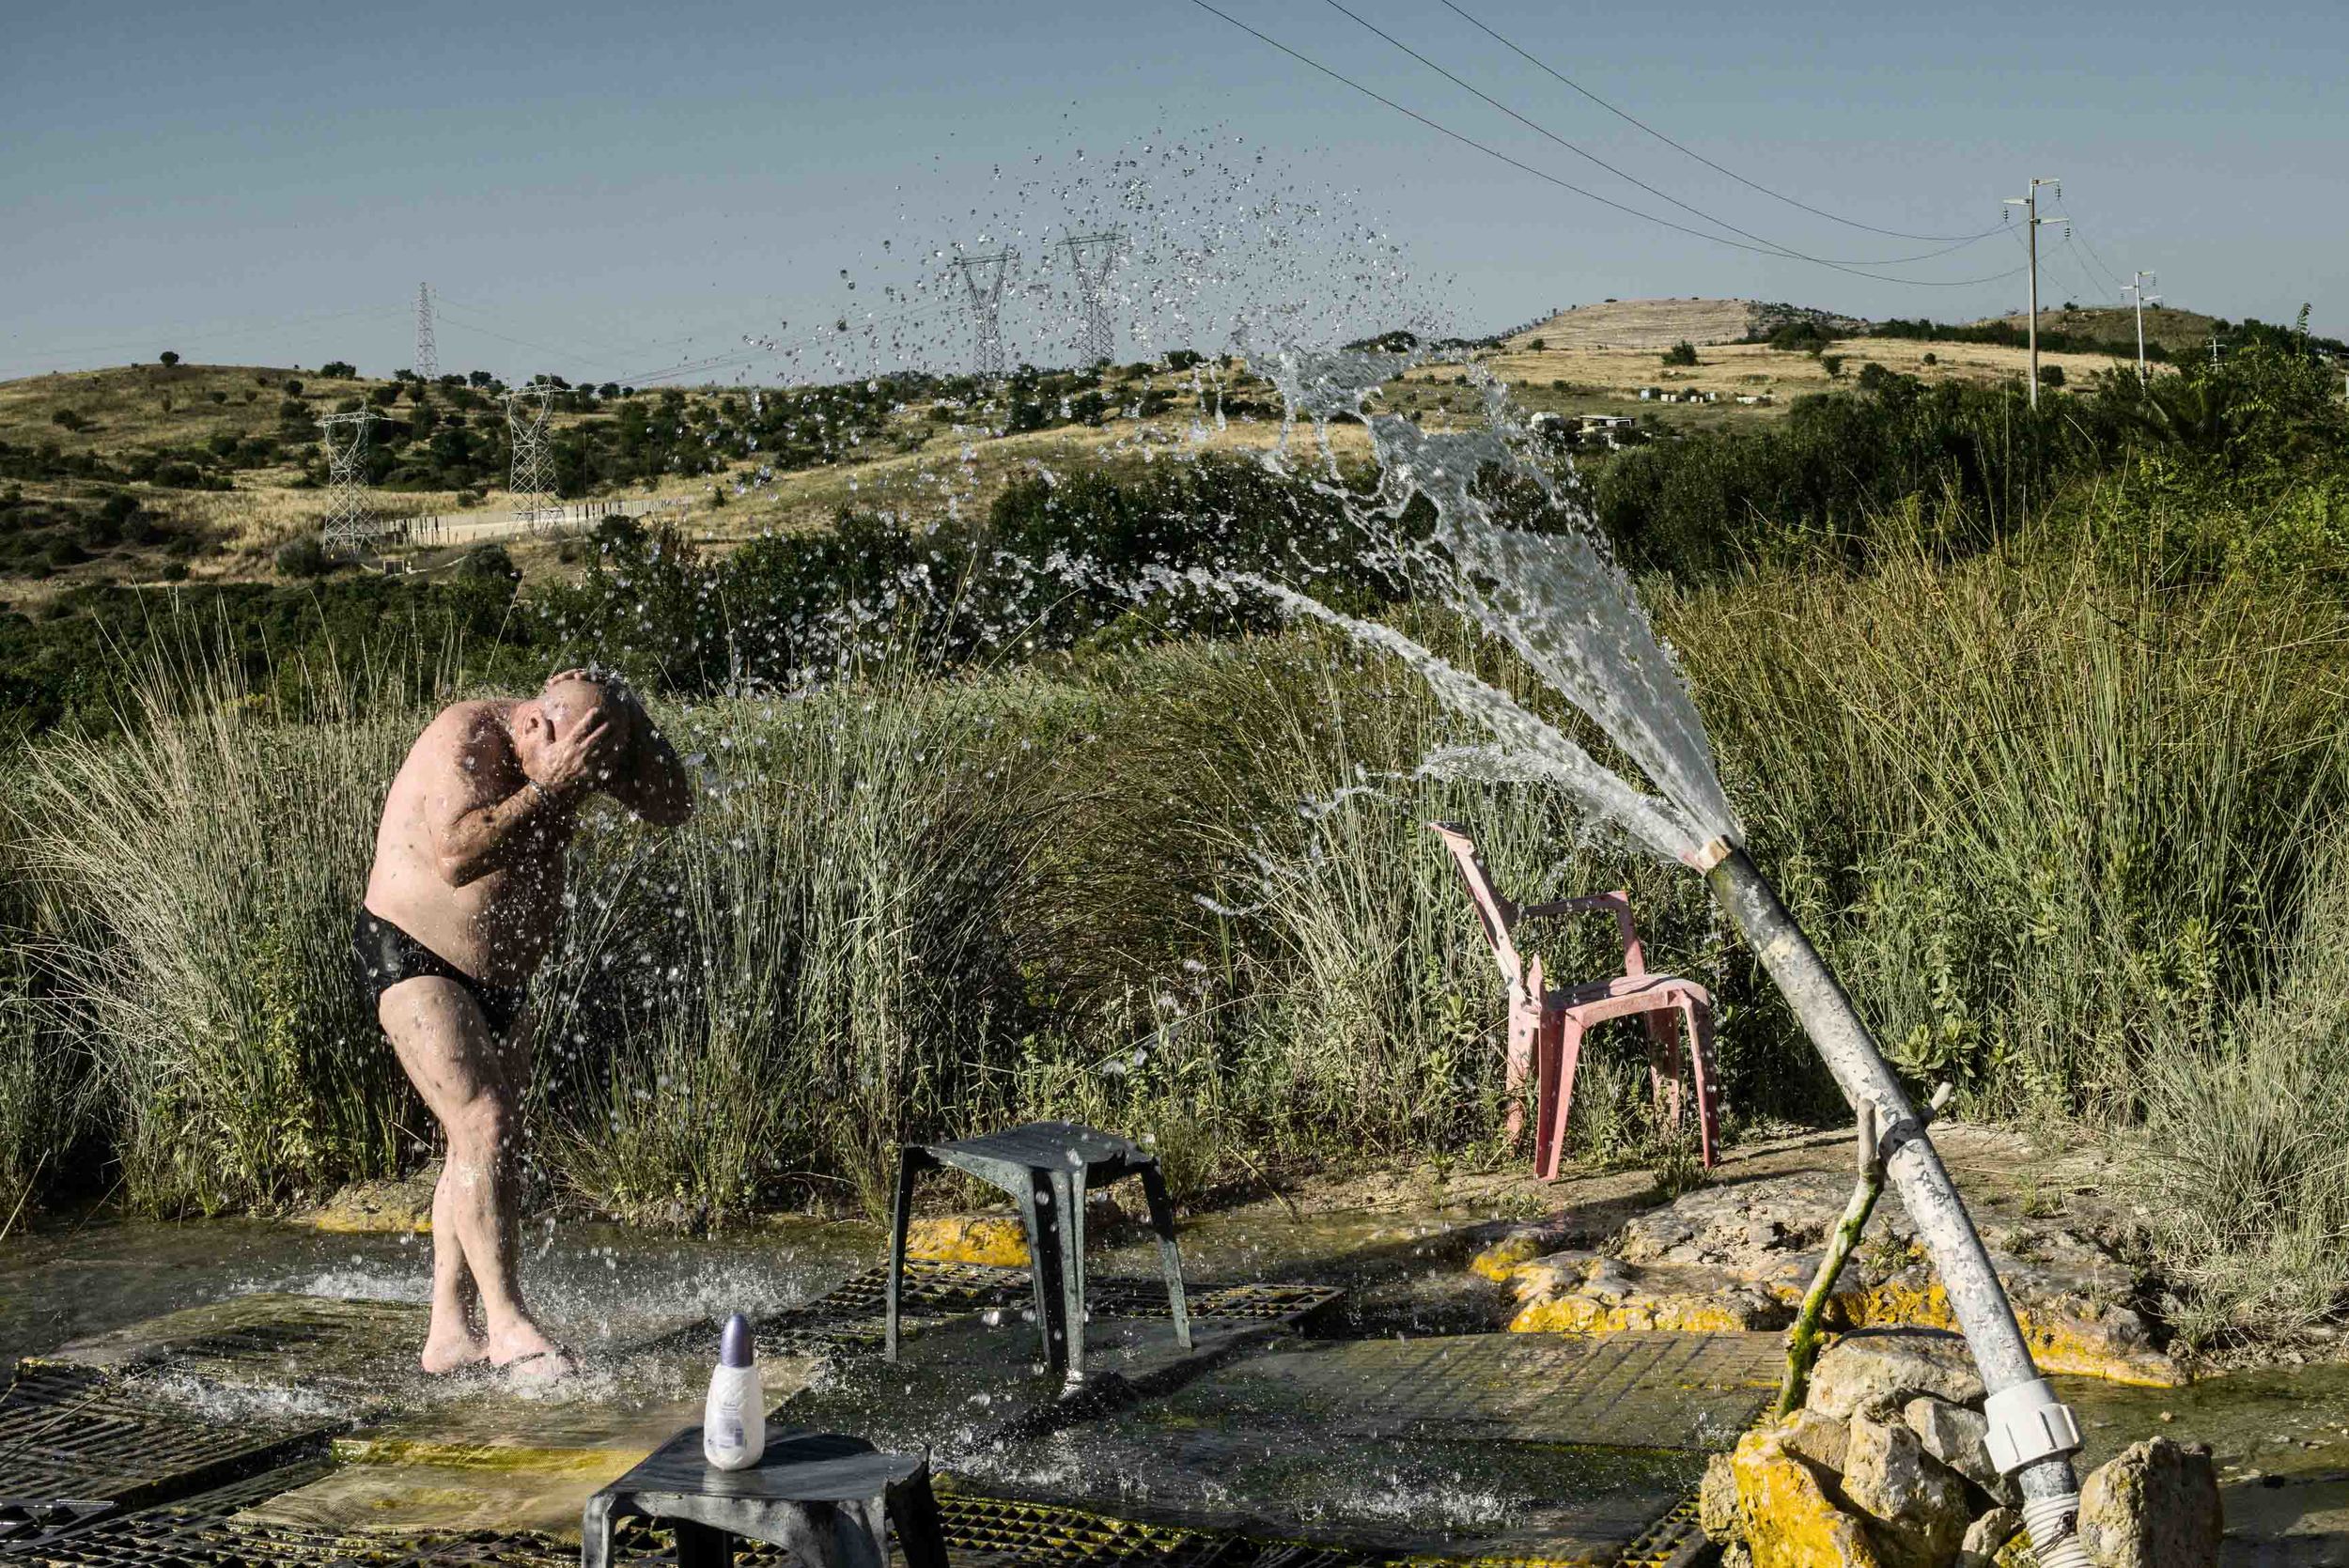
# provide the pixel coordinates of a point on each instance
(1631, 1391)
(71, 1433)
(849, 1316)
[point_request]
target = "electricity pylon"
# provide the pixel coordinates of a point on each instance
(983, 279)
(2136, 286)
(526, 412)
(427, 356)
(1094, 257)
(349, 521)
(2032, 220)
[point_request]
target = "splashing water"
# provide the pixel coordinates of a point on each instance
(1553, 594)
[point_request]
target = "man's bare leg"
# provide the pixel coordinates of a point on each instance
(446, 1045)
(452, 1340)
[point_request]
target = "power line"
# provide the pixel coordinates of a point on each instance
(250, 331)
(572, 355)
(1652, 190)
(1749, 184)
(1548, 177)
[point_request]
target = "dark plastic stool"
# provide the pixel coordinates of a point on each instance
(1047, 1166)
(826, 1499)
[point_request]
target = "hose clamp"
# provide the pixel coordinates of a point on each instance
(2028, 1423)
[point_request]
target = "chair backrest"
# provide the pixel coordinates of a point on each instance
(1493, 911)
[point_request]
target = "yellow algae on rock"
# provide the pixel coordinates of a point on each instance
(1500, 1262)
(1582, 1292)
(1789, 1519)
(995, 1239)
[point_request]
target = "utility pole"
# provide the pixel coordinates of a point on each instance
(526, 426)
(2032, 220)
(1094, 257)
(983, 279)
(2213, 350)
(428, 357)
(349, 523)
(2136, 286)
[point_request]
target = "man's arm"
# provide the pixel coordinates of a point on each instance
(648, 779)
(492, 814)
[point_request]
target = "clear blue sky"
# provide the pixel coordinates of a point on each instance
(261, 182)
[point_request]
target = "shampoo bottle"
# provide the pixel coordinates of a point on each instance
(734, 1422)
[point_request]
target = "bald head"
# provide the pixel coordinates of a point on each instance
(568, 699)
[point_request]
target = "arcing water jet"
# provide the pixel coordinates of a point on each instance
(1556, 598)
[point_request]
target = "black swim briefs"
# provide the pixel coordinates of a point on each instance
(388, 956)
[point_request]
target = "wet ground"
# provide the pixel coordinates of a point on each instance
(1365, 1406)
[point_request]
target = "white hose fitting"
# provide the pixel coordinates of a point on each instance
(2028, 1423)
(2054, 1527)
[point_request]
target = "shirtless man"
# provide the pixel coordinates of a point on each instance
(464, 902)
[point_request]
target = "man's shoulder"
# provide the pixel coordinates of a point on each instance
(464, 730)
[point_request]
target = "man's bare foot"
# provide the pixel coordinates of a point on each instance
(529, 1356)
(445, 1353)
(540, 1367)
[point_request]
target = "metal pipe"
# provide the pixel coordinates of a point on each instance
(2032, 1435)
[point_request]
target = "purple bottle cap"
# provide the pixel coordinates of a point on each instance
(734, 1346)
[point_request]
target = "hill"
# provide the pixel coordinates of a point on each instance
(2179, 331)
(1661, 323)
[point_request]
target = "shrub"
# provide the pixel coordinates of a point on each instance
(168, 359)
(2239, 1165)
(1682, 353)
(2051, 375)
(69, 419)
(303, 555)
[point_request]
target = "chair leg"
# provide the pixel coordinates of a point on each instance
(1068, 1192)
(1525, 1024)
(1565, 1054)
(595, 1532)
(1038, 1208)
(700, 1546)
(1663, 1064)
(1162, 1221)
(921, 1531)
(1700, 1018)
(910, 1162)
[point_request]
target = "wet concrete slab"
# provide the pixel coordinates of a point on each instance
(1512, 1446)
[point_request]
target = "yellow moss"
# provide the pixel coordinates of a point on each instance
(1580, 1314)
(1789, 1520)
(2057, 1343)
(1500, 1261)
(598, 1464)
(994, 1239)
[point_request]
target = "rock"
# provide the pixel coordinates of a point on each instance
(1583, 1292)
(2066, 1286)
(1500, 1262)
(1717, 1500)
(1821, 1440)
(1918, 1506)
(1954, 1435)
(2156, 1506)
(1877, 1372)
(1789, 1519)
(996, 1239)
(1735, 1555)
(379, 1207)
(1986, 1536)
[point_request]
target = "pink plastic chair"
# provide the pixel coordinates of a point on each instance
(1546, 1027)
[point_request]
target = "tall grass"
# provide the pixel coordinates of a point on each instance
(207, 867)
(2045, 816)
(831, 956)
(2240, 1162)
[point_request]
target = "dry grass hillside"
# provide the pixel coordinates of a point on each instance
(1661, 323)
(2179, 331)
